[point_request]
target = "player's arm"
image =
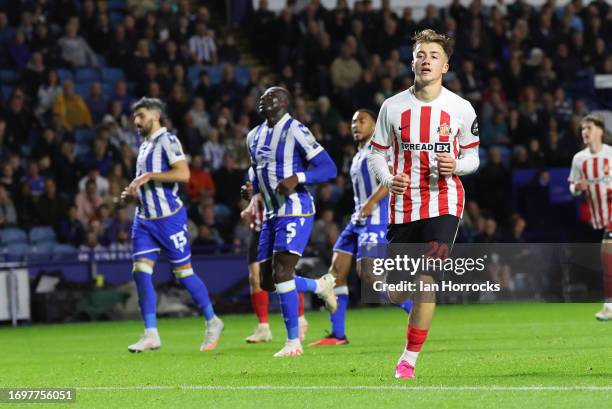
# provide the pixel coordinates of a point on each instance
(468, 160)
(577, 182)
(250, 187)
(373, 200)
(321, 167)
(377, 157)
(178, 173)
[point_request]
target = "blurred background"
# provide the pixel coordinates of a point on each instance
(69, 71)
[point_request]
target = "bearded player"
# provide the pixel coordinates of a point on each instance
(161, 223)
(432, 137)
(285, 158)
(590, 174)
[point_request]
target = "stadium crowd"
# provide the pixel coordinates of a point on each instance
(69, 72)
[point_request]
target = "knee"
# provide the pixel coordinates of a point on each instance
(183, 271)
(142, 266)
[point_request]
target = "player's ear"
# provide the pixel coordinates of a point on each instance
(445, 67)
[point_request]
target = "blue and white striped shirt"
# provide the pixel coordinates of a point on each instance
(364, 185)
(157, 154)
(277, 153)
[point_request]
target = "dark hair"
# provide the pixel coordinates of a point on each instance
(369, 112)
(151, 104)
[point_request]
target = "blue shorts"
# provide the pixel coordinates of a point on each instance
(355, 236)
(169, 234)
(284, 234)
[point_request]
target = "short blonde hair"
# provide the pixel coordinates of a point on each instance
(430, 36)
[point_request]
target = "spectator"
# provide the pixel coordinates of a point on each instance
(19, 121)
(70, 229)
(34, 180)
(50, 207)
(200, 180)
(87, 202)
(96, 102)
(8, 215)
(74, 49)
(71, 108)
(102, 183)
(121, 227)
(47, 93)
(117, 182)
(213, 151)
(34, 74)
(228, 51)
(103, 224)
(202, 46)
(18, 50)
(228, 175)
(345, 70)
(326, 115)
(91, 243)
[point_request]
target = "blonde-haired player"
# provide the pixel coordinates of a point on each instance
(431, 134)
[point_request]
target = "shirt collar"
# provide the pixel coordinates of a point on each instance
(280, 122)
(157, 133)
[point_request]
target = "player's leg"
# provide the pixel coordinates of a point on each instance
(259, 298)
(145, 251)
(606, 262)
(290, 237)
(340, 269)
(439, 233)
(172, 235)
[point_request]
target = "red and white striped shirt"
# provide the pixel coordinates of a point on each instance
(416, 131)
(595, 169)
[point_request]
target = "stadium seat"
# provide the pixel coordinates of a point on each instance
(13, 235)
(112, 75)
(101, 61)
(215, 73)
(242, 74)
(62, 251)
(87, 75)
(116, 17)
(7, 90)
(17, 249)
(84, 136)
(83, 89)
(42, 234)
(65, 74)
(42, 251)
(193, 74)
(405, 53)
(8, 77)
(116, 5)
(81, 150)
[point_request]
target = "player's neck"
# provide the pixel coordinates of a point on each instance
(275, 119)
(427, 92)
(364, 142)
(154, 129)
(595, 147)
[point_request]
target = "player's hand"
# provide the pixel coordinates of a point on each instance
(287, 185)
(366, 210)
(446, 164)
(246, 215)
(246, 191)
(132, 189)
(581, 185)
(399, 183)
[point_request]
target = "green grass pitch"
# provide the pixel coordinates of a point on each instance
(480, 356)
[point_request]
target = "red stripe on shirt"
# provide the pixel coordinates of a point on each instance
(376, 145)
(442, 184)
(470, 145)
(588, 194)
(395, 159)
(405, 137)
(424, 159)
(598, 193)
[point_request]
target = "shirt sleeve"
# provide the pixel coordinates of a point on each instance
(575, 171)
(468, 132)
(306, 140)
(382, 133)
(173, 149)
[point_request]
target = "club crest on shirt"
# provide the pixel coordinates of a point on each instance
(444, 131)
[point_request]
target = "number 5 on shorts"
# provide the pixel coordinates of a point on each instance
(291, 232)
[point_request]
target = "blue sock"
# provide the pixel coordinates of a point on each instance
(338, 318)
(146, 298)
(199, 293)
(406, 305)
(289, 307)
(305, 285)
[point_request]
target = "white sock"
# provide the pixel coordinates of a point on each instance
(608, 305)
(213, 319)
(410, 356)
(264, 325)
(151, 332)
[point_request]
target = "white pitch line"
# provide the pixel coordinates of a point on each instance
(340, 388)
